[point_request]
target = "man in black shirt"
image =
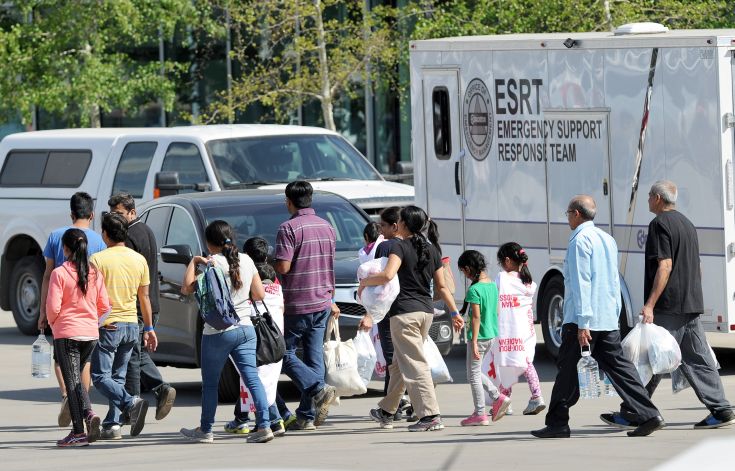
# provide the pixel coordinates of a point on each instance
(141, 369)
(673, 300)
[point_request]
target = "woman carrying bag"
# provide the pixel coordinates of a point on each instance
(416, 262)
(237, 341)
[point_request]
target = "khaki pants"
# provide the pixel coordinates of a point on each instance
(409, 370)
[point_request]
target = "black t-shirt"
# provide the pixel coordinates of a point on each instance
(384, 247)
(672, 235)
(142, 240)
(415, 294)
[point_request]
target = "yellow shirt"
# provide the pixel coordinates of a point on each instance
(124, 270)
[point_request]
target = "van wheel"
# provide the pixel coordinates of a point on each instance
(551, 310)
(229, 384)
(25, 293)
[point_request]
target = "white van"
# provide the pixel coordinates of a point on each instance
(519, 124)
(39, 171)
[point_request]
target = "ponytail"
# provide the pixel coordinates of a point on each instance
(517, 254)
(432, 232)
(475, 263)
(76, 241)
(220, 234)
(415, 220)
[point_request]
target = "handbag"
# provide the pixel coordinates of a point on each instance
(340, 363)
(271, 346)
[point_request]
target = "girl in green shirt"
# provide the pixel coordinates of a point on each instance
(482, 298)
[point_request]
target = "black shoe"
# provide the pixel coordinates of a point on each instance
(137, 416)
(165, 401)
(648, 427)
(561, 431)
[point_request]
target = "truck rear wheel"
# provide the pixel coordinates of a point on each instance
(551, 311)
(25, 293)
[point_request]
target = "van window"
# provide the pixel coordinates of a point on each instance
(47, 168)
(184, 157)
(442, 129)
(132, 170)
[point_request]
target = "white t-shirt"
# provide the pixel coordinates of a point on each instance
(240, 297)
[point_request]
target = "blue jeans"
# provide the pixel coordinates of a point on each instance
(307, 374)
(110, 365)
(239, 344)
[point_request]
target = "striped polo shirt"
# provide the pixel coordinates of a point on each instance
(308, 242)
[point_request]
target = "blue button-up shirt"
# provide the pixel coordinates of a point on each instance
(591, 280)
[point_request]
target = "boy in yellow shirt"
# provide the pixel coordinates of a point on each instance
(126, 279)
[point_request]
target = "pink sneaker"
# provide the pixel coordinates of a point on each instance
(475, 419)
(500, 406)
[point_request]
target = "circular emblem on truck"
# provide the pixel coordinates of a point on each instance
(478, 119)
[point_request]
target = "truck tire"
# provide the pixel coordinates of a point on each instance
(25, 293)
(229, 384)
(552, 314)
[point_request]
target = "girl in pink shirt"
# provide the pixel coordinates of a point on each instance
(76, 301)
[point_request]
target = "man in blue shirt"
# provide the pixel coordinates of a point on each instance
(591, 310)
(82, 212)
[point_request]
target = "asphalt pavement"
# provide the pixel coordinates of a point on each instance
(349, 440)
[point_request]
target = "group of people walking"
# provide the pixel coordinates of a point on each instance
(102, 306)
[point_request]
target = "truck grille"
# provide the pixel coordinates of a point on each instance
(352, 309)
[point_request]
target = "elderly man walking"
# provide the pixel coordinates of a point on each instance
(591, 309)
(305, 246)
(673, 293)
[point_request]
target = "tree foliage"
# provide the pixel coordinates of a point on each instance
(77, 57)
(298, 51)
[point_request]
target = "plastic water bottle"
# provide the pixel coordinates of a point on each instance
(41, 357)
(608, 388)
(589, 376)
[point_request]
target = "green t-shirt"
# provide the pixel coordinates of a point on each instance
(486, 295)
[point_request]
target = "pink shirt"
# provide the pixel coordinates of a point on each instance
(70, 313)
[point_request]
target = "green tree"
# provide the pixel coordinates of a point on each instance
(75, 57)
(299, 51)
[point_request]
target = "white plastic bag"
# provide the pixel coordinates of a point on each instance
(664, 353)
(366, 356)
(633, 351)
(380, 365)
(439, 370)
(377, 300)
(340, 363)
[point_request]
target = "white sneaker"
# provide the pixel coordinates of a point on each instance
(196, 435)
(535, 405)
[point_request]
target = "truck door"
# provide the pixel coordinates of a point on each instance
(577, 162)
(443, 162)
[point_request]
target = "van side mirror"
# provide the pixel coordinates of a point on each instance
(176, 254)
(167, 183)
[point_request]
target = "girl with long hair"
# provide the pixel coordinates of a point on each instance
(416, 260)
(238, 341)
(76, 301)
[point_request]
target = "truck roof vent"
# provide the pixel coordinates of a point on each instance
(640, 28)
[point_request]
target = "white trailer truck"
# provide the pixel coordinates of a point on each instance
(506, 129)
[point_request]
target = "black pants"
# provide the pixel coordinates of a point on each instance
(142, 372)
(386, 344)
(606, 349)
(72, 355)
(697, 364)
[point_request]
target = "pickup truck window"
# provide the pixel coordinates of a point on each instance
(184, 157)
(132, 170)
(45, 168)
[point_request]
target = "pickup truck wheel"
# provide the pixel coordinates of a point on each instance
(551, 311)
(229, 383)
(25, 293)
